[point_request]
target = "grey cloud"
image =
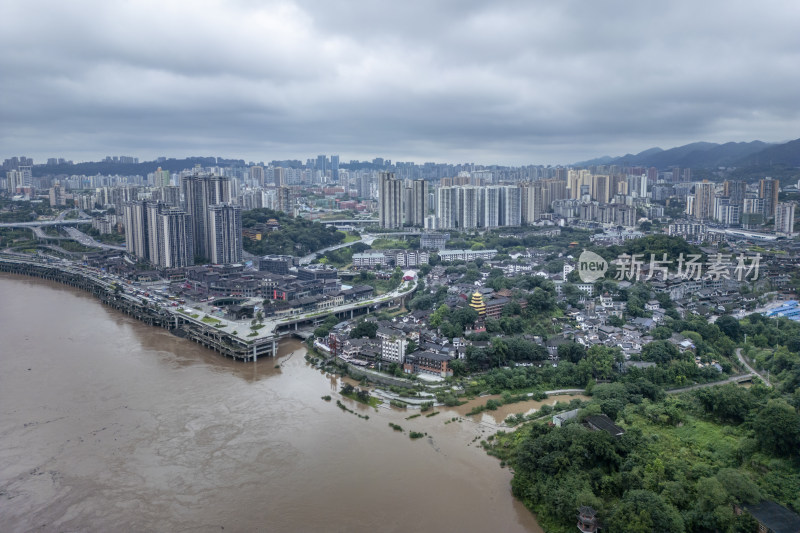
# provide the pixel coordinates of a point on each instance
(501, 82)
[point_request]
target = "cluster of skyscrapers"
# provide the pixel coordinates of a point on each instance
(18, 178)
(401, 204)
(461, 203)
(206, 225)
(468, 207)
(471, 201)
(734, 205)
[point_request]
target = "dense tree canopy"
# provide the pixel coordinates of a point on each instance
(296, 236)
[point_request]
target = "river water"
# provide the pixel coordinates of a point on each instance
(109, 424)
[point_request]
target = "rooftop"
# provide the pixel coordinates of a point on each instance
(776, 517)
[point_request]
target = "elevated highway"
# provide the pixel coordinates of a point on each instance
(40, 223)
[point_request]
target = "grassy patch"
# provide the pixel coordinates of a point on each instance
(373, 401)
(74, 246)
(387, 244)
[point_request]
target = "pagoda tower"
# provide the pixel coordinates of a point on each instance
(477, 304)
(587, 520)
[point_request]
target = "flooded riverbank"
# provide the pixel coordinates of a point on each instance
(110, 424)
(504, 411)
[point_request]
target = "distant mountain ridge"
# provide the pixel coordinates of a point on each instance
(708, 155)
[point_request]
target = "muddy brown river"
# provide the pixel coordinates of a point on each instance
(107, 424)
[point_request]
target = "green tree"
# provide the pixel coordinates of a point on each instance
(600, 359)
(541, 300)
(364, 329)
(615, 321)
(661, 333)
(411, 347)
(741, 488)
(450, 330)
(363, 395)
(439, 315)
(660, 352)
(730, 327)
(643, 511)
(458, 367)
(729, 403)
(777, 428)
(571, 351)
(463, 317)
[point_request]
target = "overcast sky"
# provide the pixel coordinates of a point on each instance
(500, 82)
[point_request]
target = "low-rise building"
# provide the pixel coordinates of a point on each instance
(393, 345)
(465, 255)
(428, 362)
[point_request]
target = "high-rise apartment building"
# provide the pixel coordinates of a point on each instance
(174, 237)
(420, 200)
(162, 178)
(335, 167)
(637, 185)
(676, 174)
(279, 176)
(136, 232)
(700, 205)
(390, 201)
(784, 218)
(364, 183)
(57, 196)
(170, 195)
(201, 192)
(768, 190)
(727, 211)
(601, 190)
(257, 175)
(27, 175)
(735, 190)
(557, 189)
(531, 202)
(576, 180)
(509, 210)
(159, 234)
(225, 233)
(284, 199)
(13, 180)
(470, 207)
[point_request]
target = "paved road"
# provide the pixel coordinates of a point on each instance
(751, 369)
(733, 379)
(88, 241)
(37, 230)
(45, 223)
(751, 373)
(305, 260)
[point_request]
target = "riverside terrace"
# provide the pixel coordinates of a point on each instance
(240, 340)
